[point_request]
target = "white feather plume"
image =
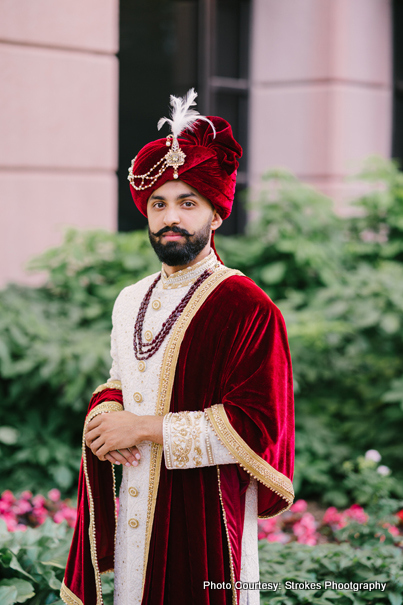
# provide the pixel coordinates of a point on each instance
(182, 117)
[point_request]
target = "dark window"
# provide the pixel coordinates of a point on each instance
(397, 132)
(167, 47)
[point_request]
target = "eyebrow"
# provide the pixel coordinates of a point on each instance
(182, 196)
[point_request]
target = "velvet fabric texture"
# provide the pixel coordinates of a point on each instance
(79, 575)
(210, 166)
(234, 352)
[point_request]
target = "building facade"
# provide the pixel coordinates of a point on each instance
(307, 85)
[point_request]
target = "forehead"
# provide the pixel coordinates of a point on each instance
(175, 189)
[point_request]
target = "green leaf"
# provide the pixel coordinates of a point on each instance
(24, 589)
(273, 273)
(395, 599)
(8, 595)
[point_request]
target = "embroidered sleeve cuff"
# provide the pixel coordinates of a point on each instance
(189, 442)
(247, 458)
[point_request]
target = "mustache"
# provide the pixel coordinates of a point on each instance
(173, 229)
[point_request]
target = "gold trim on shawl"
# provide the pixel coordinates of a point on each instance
(69, 597)
(105, 406)
(111, 384)
(247, 458)
(167, 377)
(231, 561)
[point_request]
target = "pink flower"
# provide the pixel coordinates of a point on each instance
(58, 517)
(305, 530)
(5, 506)
(54, 495)
(66, 514)
(21, 507)
(356, 513)
(8, 496)
(392, 529)
(40, 514)
(310, 540)
(279, 537)
(307, 524)
(26, 495)
(38, 501)
(299, 506)
(268, 525)
(10, 521)
(334, 518)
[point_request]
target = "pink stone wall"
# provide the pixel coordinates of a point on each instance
(58, 124)
(321, 98)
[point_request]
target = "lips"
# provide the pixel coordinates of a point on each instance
(172, 236)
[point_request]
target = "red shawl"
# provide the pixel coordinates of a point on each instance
(234, 363)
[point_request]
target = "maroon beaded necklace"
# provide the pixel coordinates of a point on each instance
(145, 350)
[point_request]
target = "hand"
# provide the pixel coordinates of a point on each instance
(110, 435)
(128, 456)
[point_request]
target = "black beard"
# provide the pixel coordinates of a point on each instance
(176, 254)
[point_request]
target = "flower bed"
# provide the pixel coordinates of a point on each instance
(31, 511)
(330, 525)
(305, 544)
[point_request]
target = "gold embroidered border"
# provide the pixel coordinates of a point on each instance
(111, 384)
(106, 406)
(69, 597)
(167, 377)
(185, 436)
(246, 457)
(231, 561)
(209, 449)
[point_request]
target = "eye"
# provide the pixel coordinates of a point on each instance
(188, 204)
(158, 205)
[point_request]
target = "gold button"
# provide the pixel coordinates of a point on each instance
(133, 492)
(138, 398)
(133, 523)
(142, 366)
(148, 335)
(156, 304)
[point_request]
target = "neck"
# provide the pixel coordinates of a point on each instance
(205, 252)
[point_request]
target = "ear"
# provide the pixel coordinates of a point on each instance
(217, 220)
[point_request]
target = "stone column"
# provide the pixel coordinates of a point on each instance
(321, 89)
(58, 123)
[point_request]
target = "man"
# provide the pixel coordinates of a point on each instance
(199, 407)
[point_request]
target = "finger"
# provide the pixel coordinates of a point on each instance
(134, 451)
(96, 421)
(96, 446)
(91, 435)
(111, 459)
(126, 456)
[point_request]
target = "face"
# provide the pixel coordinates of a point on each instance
(180, 221)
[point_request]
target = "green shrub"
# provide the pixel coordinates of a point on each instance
(54, 350)
(282, 564)
(338, 282)
(32, 563)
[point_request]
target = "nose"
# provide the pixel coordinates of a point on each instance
(171, 216)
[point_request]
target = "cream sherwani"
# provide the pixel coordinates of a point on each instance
(140, 383)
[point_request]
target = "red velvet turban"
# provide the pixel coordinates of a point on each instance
(210, 165)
